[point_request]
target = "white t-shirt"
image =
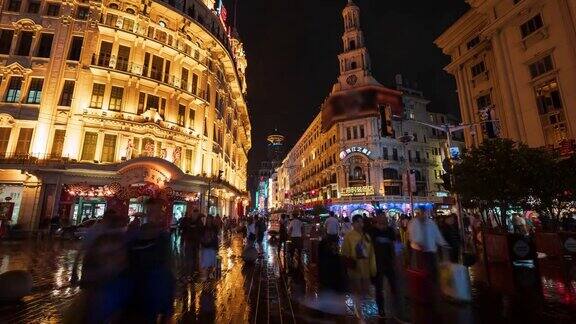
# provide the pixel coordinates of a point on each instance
(332, 226)
(425, 235)
(295, 228)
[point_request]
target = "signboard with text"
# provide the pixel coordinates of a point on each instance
(357, 191)
(355, 149)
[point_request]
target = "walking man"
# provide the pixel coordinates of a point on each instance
(332, 227)
(384, 237)
(425, 237)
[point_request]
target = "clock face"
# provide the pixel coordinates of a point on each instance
(351, 80)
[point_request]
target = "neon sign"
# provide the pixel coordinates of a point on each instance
(354, 149)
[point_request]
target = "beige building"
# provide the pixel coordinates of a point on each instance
(515, 66)
(350, 158)
(116, 100)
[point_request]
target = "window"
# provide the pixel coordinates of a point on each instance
(67, 92)
(409, 156)
(484, 102)
(184, 79)
(153, 102)
(58, 143)
(116, 95)
(361, 131)
(390, 174)
(105, 53)
(82, 12)
(548, 98)
(531, 26)
(24, 43)
(33, 7)
(392, 191)
(45, 45)
(24, 139)
(136, 151)
(35, 91)
(385, 153)
(6, 36)
(123, 58)
(128, 24)
(191, 118)
(478, 69)
(89, 146)
(415, 135)
(194, 83)
(97, 95)
(417, 156)
(353, 65)
(473, 42)
(109, 148)
(13, 5)
(348, 133)
(167, 72)
(75, 48)
(146, 65)
(162, 109)
(53, 9)
(141, 103)
(14, 87)
(541, 66)
(113, 6)
(181, 114)
(188, 160)
(5, 133)
(208, 94)
(156, 68)
(355, 132)
(395, 154)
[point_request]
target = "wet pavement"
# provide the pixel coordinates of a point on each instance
(274, 290)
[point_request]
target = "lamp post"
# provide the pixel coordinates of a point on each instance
(210, 181)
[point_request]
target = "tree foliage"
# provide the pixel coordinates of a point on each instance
(504, 174)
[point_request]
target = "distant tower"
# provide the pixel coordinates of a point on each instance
(354, 60)
(275, 148)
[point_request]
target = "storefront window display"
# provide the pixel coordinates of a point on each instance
(88, 208)
(14, 193)
(178, 211)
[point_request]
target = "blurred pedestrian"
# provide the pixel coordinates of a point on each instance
(346, 226)
(283, 231)
(208, 248)
(332, 227)
(451, 232)
(425, 237)
(250, 231)
(403, 229)
(295, 229)
(358, 253)
(150, 258)
(383, 236)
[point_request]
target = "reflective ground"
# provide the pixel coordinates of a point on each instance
(276, 291)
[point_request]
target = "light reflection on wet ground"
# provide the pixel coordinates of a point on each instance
(270, 291)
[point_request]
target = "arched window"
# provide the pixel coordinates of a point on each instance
(352, 45)
(353, 65)
(130, 11)
(390, 174)
(113, 6)
(162, 24)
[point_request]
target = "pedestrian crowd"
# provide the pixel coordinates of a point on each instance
(125, 267)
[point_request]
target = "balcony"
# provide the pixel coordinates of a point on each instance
(112, 64)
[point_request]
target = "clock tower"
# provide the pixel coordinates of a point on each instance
(354, 60)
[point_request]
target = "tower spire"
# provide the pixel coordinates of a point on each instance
(354, 60)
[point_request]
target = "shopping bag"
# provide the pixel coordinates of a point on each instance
(455, 282)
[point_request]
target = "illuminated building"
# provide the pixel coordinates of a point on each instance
(275, 148)
(513, 62)
(350, 157)
(105, 102)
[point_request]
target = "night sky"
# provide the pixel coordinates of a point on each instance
(292, 48)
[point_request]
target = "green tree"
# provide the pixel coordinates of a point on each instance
(492, 177)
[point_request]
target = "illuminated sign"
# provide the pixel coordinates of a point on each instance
(354, 149)
(357, 191)
(143, 174)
